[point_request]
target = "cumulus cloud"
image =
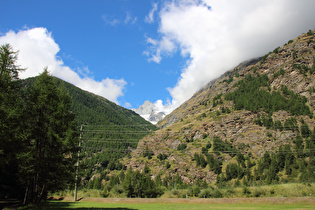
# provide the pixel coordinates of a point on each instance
(216, 35)
(37, 50)
(159, 48)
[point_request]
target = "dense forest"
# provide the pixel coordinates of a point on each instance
(108, 132)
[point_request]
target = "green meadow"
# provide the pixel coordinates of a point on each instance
(189, 204)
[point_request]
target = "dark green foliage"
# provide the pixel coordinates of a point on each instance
(208, 146)
(264, 58)
(167, 165)
(291, 124)
(12, 124)
(228, 81)
(313, 67)
(148, 153)
(240, 159)
(246, 191)
(225, 147)
(181, 146)
(298, 143)
(53, 137)
(233, 171)
(302, 68)
(217, 100)
(215, 164)
(276, 50)
(146, 169)
(200, 160)
(109, 130)
(162, 156)
(278, 125)
(278, 73)
(252, 97)
(38, 134)
(305, 130)
(310, 33)
(137, 184)
(248, 92)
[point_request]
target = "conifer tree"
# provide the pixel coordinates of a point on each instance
(49, 156)
(11, 126)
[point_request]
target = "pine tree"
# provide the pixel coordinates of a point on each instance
(49, 157)
(12, 133)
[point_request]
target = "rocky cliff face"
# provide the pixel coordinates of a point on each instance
(199, 119)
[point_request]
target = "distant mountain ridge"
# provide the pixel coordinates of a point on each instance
(150, 112)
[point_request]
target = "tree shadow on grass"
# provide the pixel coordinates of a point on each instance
(67, 205)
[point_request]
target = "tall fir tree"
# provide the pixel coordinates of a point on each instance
(48, 161)
(11, 131)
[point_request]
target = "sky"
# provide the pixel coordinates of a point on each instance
(130, 51)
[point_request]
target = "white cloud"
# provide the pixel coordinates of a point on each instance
(159, 48)
(110, 20)
(37, 49)
(150, 17)
(130, 19)
(127, 105)
(216, 35)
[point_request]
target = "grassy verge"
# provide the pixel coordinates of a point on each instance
(279, 190)
(189, 204)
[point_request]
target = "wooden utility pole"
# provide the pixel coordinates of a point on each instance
(77, 165)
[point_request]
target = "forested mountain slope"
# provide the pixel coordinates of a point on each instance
(109, 132)
(253, 124)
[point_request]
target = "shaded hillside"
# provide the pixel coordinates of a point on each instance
(254, 123)
(110, 131)
(96, 110)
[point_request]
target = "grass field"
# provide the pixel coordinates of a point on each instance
(189, 204)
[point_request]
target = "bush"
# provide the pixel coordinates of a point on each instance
(182, 146)
(210, 193)
(310, 33)
(246, 191)
(162, 156)
(195, 190)
(258, 192)
(148, 153)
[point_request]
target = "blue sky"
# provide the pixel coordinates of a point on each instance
(107, 37)
(130, 51)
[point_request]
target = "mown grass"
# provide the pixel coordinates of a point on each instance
(177, 205)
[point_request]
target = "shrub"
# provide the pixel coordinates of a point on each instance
(167, 165)
(246, 191)
(195, 190)
(276, 50)
(210, 193)
(310, 33)
(148, 153)
(290, 41)
(258, 192)
(182, 146)
(162, 156)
